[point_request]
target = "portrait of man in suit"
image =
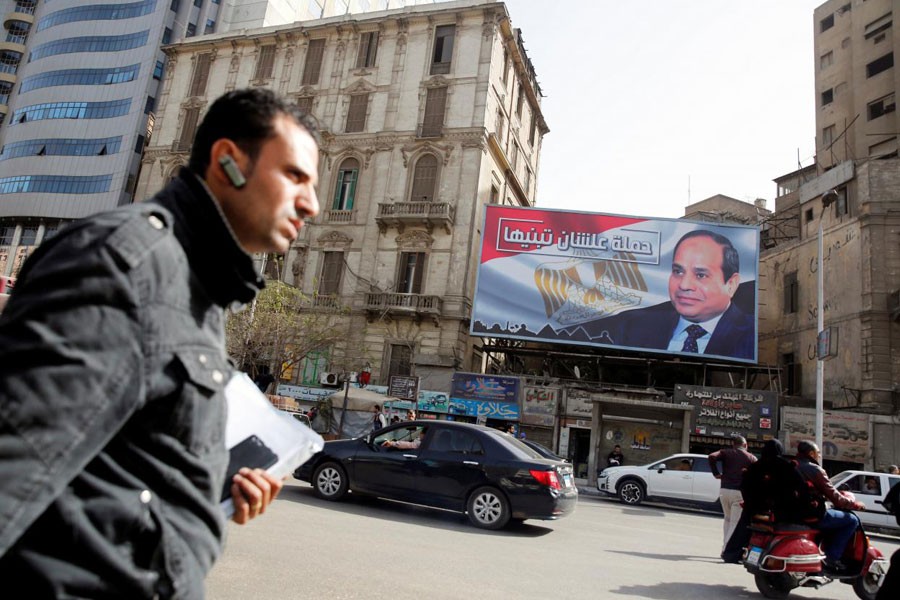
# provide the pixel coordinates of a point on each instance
(700, 316)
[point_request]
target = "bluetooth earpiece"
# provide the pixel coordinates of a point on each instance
(232, 171)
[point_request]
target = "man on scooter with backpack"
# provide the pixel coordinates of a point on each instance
(838, 524)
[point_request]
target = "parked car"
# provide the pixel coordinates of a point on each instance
(543, 450)
(870, 488)
(680, 478)
(480, 471)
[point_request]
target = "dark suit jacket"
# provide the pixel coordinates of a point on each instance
(652, 327)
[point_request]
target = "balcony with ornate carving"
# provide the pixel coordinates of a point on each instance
(427, 214)
(398, 305)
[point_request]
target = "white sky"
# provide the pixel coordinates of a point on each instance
(642, 96)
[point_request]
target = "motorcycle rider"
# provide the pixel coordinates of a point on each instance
(839, 524)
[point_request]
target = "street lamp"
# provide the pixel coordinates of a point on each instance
(828, 198)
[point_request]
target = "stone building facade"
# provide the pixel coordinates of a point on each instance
(428, 113)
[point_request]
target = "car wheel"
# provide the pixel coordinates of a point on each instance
(631, 491)
(330, 481)
(488, 508)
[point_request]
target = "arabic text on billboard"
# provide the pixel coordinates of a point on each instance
(618, 281)
(725, 412)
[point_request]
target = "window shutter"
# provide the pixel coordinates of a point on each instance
(305, 104)
(313, 65)
(368, 48)
(356, 115)
(188, 128)
(435, 102)
(265, 63)
(418, 272)
(443, 49)
(424, 179)
(201, 75)
(331, 273)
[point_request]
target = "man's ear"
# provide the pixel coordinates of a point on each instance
(216, 171)
(732, 284)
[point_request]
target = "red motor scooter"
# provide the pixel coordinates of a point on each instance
(784, 556)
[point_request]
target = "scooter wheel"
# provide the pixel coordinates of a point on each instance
(774, 585)
(866, 586)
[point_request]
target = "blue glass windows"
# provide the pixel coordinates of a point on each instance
(80, 77)
(61, 147)
(72, 110)
(55, 184)
(97, 12)
(91, 43)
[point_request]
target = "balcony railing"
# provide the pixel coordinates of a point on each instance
(393, 303)
(330, 301)
(429, 214)
(339, 216)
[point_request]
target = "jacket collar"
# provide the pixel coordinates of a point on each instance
(224, 269)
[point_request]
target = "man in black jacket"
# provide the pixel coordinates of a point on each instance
(113, 367)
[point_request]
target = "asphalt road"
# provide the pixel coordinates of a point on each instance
(304, 547)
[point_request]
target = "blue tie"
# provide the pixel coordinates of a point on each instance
(694, 333)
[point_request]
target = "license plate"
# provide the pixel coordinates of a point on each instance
(753, 556)
(567, 480)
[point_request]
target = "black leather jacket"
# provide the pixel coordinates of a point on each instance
(112, 369)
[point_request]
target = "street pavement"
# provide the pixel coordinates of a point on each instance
(304, 547)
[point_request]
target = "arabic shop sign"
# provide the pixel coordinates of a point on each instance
(539, 405)
(490, 388)
(724, 412)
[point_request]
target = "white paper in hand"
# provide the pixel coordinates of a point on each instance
(258, 435)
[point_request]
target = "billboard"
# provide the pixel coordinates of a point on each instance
(617, 281)
(725, 412)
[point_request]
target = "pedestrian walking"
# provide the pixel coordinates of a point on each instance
(734, 461)
(113, 367)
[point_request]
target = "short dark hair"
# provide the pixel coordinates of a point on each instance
(247, 118)
(805, 448)
(738, 440)
(731, 260)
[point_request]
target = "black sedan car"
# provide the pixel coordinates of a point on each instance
(485, 473)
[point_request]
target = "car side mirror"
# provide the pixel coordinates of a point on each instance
(661, 468)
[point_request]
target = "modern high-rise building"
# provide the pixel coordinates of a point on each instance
(79, 87)
(428, 113)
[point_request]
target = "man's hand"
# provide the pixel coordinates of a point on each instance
(859, 506)
(252, 490)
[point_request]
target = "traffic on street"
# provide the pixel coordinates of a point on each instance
(371, 548)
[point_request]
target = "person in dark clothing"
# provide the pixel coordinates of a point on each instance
(838, 524)
(113, 367)
(771, 484)
(890, 585)
(734, 461)
(615, 458)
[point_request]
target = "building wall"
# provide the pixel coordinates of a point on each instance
(471, 157)
(861, 272)
(860, 33)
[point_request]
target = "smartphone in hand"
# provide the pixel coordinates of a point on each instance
(251, 452)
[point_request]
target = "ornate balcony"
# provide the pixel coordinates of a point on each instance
(395, 304)
(401, 214)
(338, 216)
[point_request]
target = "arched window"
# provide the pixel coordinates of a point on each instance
(345, 190)
(424, 179)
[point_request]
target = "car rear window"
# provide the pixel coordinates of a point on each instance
(519, 450)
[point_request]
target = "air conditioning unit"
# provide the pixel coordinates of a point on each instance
(330, 379)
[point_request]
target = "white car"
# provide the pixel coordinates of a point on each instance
(680, 478)
(870, 488)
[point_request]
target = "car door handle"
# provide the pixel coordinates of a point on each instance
(470, 462)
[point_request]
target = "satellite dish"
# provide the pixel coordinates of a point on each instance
(577, 372)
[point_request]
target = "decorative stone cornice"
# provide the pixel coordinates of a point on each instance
(414, 239)
(442, 151)
(334, 240)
